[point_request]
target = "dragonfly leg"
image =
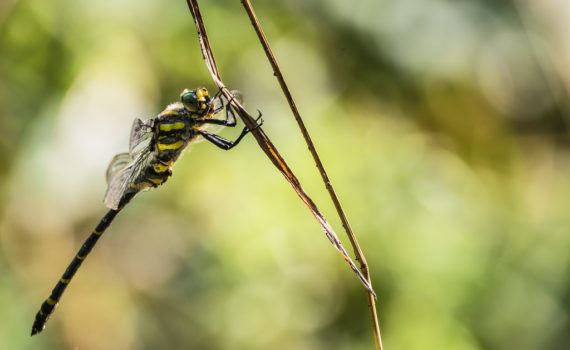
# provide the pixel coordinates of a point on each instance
(258, 120)
(230, 111)
(226, 144)
(228, 106)
(230, 116)
(217, 95)
(221, 142)
(215, 122)
(224, 122)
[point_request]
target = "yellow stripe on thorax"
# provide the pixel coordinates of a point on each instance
(175, 145)
(173, 126)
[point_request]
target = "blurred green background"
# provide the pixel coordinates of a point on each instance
(444, 126)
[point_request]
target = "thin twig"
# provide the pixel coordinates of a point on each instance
(265, 143)
(353, 241)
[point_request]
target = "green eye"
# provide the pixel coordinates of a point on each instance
(190, 100)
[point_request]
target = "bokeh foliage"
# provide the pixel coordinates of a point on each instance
(443, 125)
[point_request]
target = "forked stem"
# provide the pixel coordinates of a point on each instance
(272, 153)
(351, 236)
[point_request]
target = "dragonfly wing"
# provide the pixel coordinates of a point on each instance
(141, 133)
(124, 180)
(238, 96)
(119, 162)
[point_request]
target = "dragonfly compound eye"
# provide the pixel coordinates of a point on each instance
(190, 100)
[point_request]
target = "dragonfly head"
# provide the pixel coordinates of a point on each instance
(195, 101)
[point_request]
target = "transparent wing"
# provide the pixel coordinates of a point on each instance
(238, 96)
(125, 168)
(120, 161)
(141, 133)
(123, 180)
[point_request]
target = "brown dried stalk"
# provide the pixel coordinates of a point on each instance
(353, 241)
(272, 153)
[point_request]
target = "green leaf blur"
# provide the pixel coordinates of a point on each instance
(444, 126)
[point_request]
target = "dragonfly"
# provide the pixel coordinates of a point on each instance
(155, 144)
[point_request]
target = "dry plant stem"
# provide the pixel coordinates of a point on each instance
(353, 241)
(266, 144)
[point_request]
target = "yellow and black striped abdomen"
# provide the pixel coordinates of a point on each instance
(49, 304)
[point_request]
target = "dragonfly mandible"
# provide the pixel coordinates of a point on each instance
(155, 144)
